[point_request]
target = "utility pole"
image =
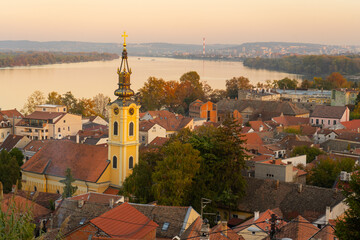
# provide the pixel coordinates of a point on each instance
(274, 220)
(205, 227)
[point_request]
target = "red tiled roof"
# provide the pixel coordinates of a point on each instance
(220, 232)
(146, 125)
(35, 145)
(298, 228)
(125, 221)
(252, 138)
(261, 158)
(290, 120)
(173, 124)
(112, 191)
(44, 115)
(324, 111)
(197, 102)
(23, 204)
(87, 162)
(326, 233)
(245, 129)
(10, 142)
(257, 124)
(353, 125)
(12, 113)
(94, 197)
(163, 114)
(348, 135)
(159, 141)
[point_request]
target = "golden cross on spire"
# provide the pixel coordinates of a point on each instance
(124, 36)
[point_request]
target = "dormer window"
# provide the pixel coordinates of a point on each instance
(165, 226)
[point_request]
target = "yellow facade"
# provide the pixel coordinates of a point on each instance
(123, 144)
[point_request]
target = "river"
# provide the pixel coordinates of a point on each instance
(87, 79)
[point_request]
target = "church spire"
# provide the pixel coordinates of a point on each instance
(124, 91)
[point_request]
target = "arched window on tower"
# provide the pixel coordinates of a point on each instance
(114, 162)
(131, 129)
(116, 128)
(131, 162)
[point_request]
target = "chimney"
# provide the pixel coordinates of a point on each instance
(224, 227)
(111, 203)
(204, 231)
(300, 187)
(80, 203)
(256, 215)
(327, 215)
(77, 138)
(277, 184)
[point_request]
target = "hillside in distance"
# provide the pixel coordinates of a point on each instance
(255, 49)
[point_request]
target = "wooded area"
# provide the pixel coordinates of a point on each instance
(13, 59)
(308, 64)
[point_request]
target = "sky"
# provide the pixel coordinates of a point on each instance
(182, 21)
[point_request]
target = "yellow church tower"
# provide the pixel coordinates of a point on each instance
(123, 141)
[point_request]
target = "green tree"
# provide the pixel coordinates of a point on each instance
(152, 94)
(69, 100)
(327, 170)
(306, 84)
(174, 175)
(54, 98)
(216, 95)
(310, 152)
(9, 170)
(36, 98)
(16, 222)
(287, 83)
(69, 190)
(138, 185)
(347, 228)
(191, 88)
(233, 85)
(15, 152)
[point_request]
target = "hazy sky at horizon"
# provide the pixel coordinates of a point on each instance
(186, 21)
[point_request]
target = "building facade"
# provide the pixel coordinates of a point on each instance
(343, 97)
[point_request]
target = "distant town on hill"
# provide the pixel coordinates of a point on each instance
(212, 51)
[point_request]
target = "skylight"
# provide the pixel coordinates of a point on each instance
(165, 226)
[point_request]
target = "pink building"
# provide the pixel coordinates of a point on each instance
(328, 116)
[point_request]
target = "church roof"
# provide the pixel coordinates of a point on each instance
(87, 162)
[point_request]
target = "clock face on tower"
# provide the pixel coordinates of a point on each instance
(131, 111)
(116, 110)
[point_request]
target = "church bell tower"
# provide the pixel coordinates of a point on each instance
(123, 141)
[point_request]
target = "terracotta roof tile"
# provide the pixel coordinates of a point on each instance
(252, 138)
(86, 162)
(146, 125)
(12, 113)
(256, 125)
(260, 222)
(324, 111)
(158, 141)
(125, 221)
(326, 233)
(10, 142)
(44, 115)
(112, 191)
(290, 120)
(299, 228)
(94, 197)
(220, 232)
(353, 125)
(173, 124)
(35, 145)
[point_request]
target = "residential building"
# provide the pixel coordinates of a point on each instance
(329, 116)
(32, 148)
(13, 116)
(117, 222)
(259, 126)
(162, 114)
(149, 130)
(353, 125)
(50, 123)
(343, 97)
(278, 170)
(306, 96)
(258, 94)
(173, 125)
(322, 135)
(199, 109)
(95, 119)
(255, 109)
(51, 108)
(14, 141)
(5, 128)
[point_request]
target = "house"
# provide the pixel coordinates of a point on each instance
(14, 141)
(278, 170)
(149, 130)
(199, 109)
(123, 221)
(353, 125)
(13, 116)
(221, 231)
(322, 135)
(158, 142)
(258, 227)
(255, 109)
(306, 96)
(162, 114)
(5, 128)
(89, 166)
(343, 97)
(173, 125)
(258, 94)
(285, 122)
(292, 199)
(49, 122)
(259, 126)
(329, 116)
(95, 119)
(33, 147)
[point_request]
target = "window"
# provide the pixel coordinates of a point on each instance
(68, 128)
(317, 121)
(131, 129)
(114, 162)
(208, 115)
(328, 122)
(35, 188)
(59, 129)
(64, 109)
(131, 162)
(143, 138)
(165, 227)
(334, 122)
(322, 121)
(116, 127)
(57, 191)
(64, 121)
(312, 120)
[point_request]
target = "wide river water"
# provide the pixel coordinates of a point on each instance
(90, 78)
